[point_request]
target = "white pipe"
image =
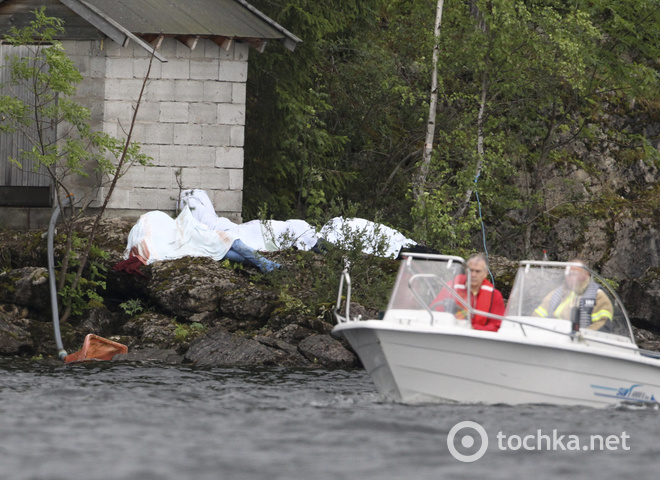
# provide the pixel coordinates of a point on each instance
(61, 353)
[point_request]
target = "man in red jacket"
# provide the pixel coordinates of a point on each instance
(483, 295)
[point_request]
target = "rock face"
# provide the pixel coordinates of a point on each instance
(26, 286)
(643, 296)
(600, 208)
(221, 348)
(15, 338)
(324, 349)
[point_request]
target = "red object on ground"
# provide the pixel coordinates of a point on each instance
(96, 348)
(132, 266)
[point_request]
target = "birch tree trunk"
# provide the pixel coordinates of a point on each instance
(480, 145)
(419, 180)
(474, 11)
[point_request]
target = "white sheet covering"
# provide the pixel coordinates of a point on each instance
(156, 236)
(271, 235)
(340, 230)
(268, 235)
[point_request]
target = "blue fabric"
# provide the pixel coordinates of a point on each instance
(241, 253)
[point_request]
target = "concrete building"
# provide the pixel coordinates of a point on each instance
(192, 117)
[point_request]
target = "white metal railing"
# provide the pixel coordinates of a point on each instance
(343, 319)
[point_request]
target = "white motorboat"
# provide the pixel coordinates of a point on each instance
(415, 354)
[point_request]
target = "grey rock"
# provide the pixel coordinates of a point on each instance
(326, 351)
(100, 321)
(188, 286)
(293, 333)
(646, 339)
(14, 340)
(287, 355)
(27, 287)
(221, 348)
(642, 297)
(248, 301)
(635, 249)
(150, 330)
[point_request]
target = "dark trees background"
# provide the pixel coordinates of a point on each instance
(542, 106)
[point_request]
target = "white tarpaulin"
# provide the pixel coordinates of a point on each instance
(156, 236)
(376, 238)
(267, 235)
(271, 235)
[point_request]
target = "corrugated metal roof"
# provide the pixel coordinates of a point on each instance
(228, 18)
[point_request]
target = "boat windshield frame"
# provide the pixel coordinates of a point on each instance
(622, 319)
(405, 277)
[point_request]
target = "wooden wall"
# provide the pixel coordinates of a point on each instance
(19, 13)
(11, 144)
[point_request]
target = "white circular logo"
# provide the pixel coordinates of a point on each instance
(467, 441)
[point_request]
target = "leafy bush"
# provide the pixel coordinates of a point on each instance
(184, 332)
(132, 307)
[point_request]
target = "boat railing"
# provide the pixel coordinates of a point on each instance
(471, 311)
(574, 335)
(521, 323)
(345, 277)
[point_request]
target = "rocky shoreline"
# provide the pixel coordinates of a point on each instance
(188, 311)
(192, 310)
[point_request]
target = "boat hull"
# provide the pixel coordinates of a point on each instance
(413, 365)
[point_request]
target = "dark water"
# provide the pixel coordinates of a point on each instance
(126, 421)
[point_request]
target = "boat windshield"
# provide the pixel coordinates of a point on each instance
(569, 291)
(422, 277)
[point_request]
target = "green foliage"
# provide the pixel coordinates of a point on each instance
(344, 116)
(132, 307)
(310, 282)
(225, 263)
(185, 332)
(84, 294)
(373, 274)
(440, 227)
(290, 148)
(289, 303)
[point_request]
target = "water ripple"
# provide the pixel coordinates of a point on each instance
(116, 421)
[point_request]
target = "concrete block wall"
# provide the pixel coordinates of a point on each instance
(191, 120)
(90, 61)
